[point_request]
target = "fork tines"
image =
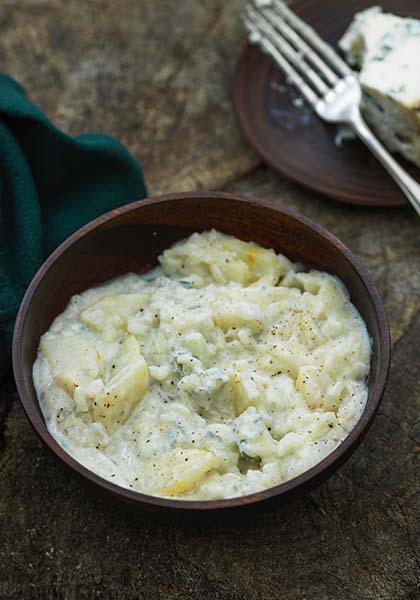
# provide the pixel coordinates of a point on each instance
(309, 62)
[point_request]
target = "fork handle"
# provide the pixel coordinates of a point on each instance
(408, 185)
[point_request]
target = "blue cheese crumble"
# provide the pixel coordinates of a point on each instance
(386, 49)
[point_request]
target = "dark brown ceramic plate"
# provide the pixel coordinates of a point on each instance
(292, 139)
(130, 239)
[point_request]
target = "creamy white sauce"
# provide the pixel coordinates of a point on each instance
(225, 371)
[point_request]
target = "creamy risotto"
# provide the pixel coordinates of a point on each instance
(224, 371)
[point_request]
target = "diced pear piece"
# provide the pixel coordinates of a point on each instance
(280, 360)
(245, 392)
(242, 314)
(231, 269)
(73, 360)
(196, 343)
(125, 386)
(262, 263)
(110, 315)
(178, 470)
(313, 383)
(220, 258)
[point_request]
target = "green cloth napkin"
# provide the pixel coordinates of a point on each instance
(50, 185)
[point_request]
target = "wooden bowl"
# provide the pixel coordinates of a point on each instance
(129, 239)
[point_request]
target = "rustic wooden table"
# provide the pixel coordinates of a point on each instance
(156, 75)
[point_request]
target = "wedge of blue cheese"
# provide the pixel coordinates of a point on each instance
(386, 49)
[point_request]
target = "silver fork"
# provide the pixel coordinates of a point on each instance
(326, 82)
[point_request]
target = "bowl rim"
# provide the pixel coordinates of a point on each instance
(283, 489)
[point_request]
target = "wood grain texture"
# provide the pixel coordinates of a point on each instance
(130, 239)
(292, 139)
(91, 66)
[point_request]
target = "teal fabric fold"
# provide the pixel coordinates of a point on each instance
(50, 185)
